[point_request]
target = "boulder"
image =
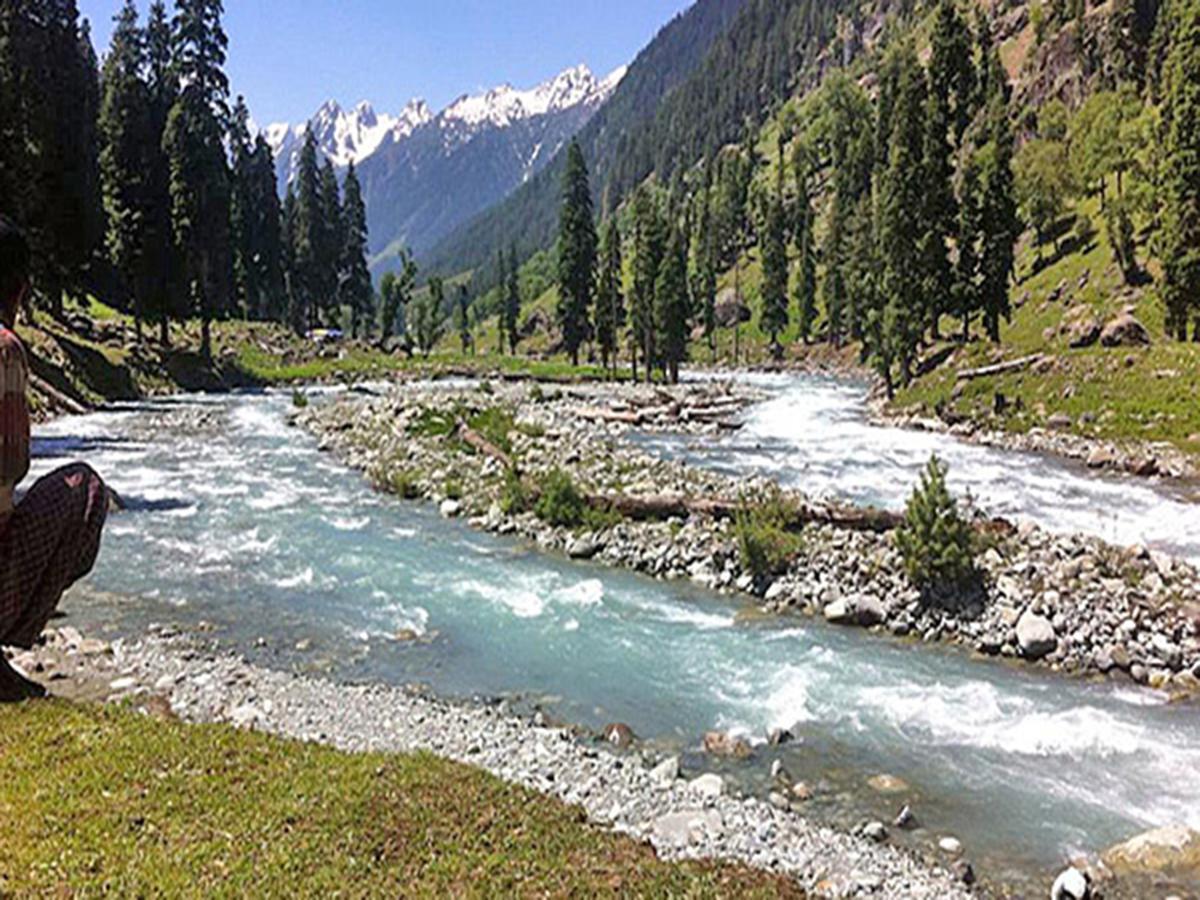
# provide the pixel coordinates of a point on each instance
(1084, 333)
(619, 735)
(1173, 850)
(584, 547)
(686, 826)
(664, 774)
(1101, 457)
(709, 785)
(1124, 331)
(1060, 421)
(730, 309)
(450, 508)
(1071, 884)
(1035, 635)
(887, 784)
(839, 612)
(718, 743)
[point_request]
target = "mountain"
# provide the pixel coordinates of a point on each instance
(425, 174)
(529, 216)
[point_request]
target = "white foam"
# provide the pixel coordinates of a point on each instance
(301, 579)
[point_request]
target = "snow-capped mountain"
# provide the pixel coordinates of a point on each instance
(344, 136)
(424, 174)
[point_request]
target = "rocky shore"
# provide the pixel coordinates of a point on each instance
(647, 797)
(1069, 603)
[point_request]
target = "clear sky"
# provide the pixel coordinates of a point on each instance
(290, 56)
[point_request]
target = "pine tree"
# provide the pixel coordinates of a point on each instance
(899, 236)
(307, 236)
(267, 240)
(355, 287)
(125, 136)
(952, 69)
(967, 298)
(199, 177)
(935, 541)
(1181, 169)
(242, 210)
(671, 307)
(576, 254)
(427, 316)
(806, 281)
(648, 249)
(772, 240)
(512, 301)
(331, 243)
(395, 291)
(998, 215)
(939, 212)
(462, 319)
(610, 298)
(162, 262)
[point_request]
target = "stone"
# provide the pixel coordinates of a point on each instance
(619, 735)
(1124, 330)
(686, 827)
(951, 845)
(718, 743)
(839, 612)
(245, 716)
(778, 800)
(875, 831)
(1035, 636)
(450, 509)
(1173, 850)
(869, 611)
(709, 785)
(1101, 457)
(779, 736)
(583, 548)
(664, 774)
(887, 784)
(905, 818)
(964, 871)
(801, 791)
(123, 684)
(1084, 333)
(1071, 884)
(1060, 421)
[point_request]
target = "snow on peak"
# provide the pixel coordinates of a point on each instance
(503, 105)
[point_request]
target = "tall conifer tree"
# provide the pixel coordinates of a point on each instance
(576, 254)
(1181, 167)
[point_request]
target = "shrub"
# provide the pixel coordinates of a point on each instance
(299, 399)
(561, 504)
(453, 489)
(495, 424)
(936, 542)
(404, 485)
(514, 497)
(764, 543)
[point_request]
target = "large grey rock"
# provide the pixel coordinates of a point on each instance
(1035, 635)
(708, 785)
(664, 774)
(1124, 331)
(584, 547)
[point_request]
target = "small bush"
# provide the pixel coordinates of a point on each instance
(453, 489)
(514, 498)
(404, 485)
(299, 399)
(433, 423)
(495, 424)
(764, 543)
(936, 542)
(561, 504)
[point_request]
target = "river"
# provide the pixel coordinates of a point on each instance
(239, 522)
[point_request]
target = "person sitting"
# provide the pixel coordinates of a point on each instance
(49, 540)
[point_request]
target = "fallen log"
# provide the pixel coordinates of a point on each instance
(594, 413)
(56, 396)
(1015, 365)
(473, 438)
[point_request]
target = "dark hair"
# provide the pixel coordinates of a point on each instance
(14, 260)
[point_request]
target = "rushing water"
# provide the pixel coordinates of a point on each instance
(814, 434)
(238, 521)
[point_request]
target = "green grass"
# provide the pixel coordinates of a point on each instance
(1123, 394)
(107, 801)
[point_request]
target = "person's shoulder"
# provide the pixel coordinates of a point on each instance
(11, 348)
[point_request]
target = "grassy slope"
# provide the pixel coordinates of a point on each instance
(102, 800)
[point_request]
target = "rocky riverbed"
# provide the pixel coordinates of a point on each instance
(645, 796)
(1070, 603)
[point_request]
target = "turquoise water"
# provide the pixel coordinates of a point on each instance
(239, 522)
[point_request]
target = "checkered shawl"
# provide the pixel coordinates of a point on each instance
(14, 410)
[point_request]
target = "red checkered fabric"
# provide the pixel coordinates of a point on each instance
(50, 540)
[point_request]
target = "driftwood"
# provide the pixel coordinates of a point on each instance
(472, 437)
(56, 396)
(1003, 368)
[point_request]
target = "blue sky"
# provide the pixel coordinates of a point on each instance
(288, 56)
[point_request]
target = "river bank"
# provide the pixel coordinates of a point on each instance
(636, 793)
(1065, 602)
